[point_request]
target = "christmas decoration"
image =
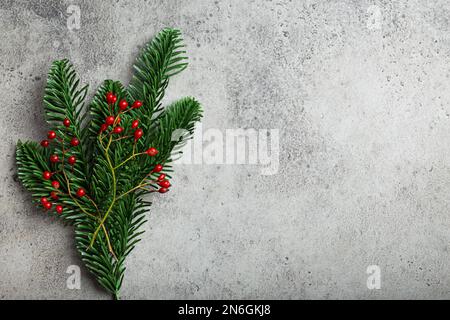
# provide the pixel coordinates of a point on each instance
(92, 172)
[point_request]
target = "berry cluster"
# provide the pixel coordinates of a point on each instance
(113, 121)
(58, 162)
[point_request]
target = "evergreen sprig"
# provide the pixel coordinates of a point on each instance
(102, 193)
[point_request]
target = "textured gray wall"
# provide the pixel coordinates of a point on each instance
(360, 92)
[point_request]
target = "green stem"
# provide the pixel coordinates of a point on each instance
(134, 155)
(131, 190)
(114, 193)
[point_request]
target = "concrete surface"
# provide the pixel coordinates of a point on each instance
(360, 92)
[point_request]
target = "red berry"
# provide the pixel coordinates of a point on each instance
(59, 209)
(164, 184)
(123, 104)
(46, 175)
(66, 122)
(54, 158)
(103, 127)
(137, 104)
(134, 124)
(111, 98)
(47, 205)
(157, 168)
(161, 177)
(51, 134)
(74, 142)
(45, 143)
(55, 184)
(44, 200)
(54, 195)
(81, 192)
(152, 152)
(118, 130)
(138, 133)
(109, 120)
(71, 160)
(163, 190)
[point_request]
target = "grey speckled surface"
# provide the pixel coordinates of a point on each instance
(363, 109)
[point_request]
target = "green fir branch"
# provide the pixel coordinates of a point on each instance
(103, 192)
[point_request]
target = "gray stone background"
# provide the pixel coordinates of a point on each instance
(360, 92)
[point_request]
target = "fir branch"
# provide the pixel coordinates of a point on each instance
(64, 99)
(176, 125)
(160, 59)
(102, 179)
